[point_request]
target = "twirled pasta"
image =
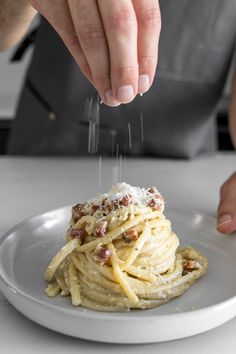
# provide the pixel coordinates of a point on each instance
(122, 254)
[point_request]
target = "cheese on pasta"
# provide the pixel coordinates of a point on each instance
(121, 253)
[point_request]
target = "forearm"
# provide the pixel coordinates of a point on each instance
(15, 18)
(232, 112)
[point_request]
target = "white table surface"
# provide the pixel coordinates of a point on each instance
(30, 186)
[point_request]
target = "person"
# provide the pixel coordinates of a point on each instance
(111, 47)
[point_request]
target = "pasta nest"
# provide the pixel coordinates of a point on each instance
(124, 259)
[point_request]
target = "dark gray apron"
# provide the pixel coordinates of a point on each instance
(197, 42)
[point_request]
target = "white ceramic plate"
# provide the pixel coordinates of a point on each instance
(26, 250)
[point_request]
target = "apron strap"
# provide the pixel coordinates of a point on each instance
(24, 45)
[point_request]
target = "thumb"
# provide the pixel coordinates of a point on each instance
(226, 215)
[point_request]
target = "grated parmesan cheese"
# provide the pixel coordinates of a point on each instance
(138, 196)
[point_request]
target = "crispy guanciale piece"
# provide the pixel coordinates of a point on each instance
(109, 206)
(154, 204)
(190, 265)
(77, 212)
(101, 229)
(79, 233)
(130, 235)
(126, 200)
(102, 254)
(95, 207)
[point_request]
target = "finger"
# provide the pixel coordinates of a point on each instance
(227, 206)
(58, 15)
(149, 26)
(89, 29)
(61, 21)
(120, 25)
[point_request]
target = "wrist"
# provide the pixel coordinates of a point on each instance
(19, 8)
(15, 18)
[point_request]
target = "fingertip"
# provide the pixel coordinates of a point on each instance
(228, 226)
(224, 229)
(112, 104)
(109, 99)
(143, 83)
(125, 94)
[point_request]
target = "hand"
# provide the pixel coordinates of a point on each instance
(227, 206)
(115, 43)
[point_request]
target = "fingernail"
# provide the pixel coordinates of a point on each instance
(110, 101)
(125, 94)
(143, 83)
(224, 219)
